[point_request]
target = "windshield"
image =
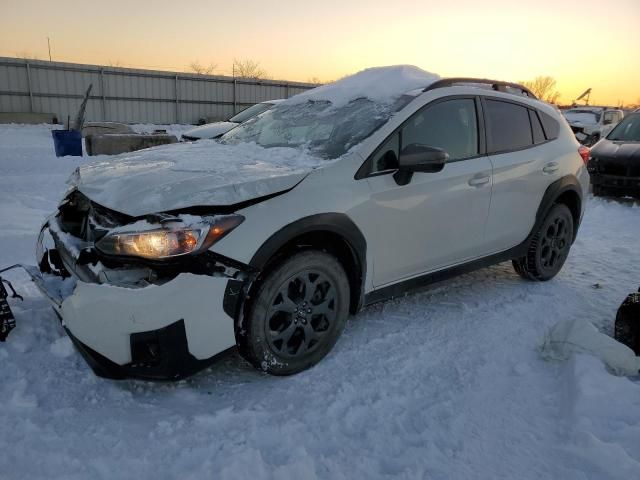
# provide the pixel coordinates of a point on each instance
(316, 126)
(582, 116)
(628, 130)
(250, 112)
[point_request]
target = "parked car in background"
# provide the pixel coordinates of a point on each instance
(614, 165)
(590, 124)
(340, 197)
(627, 326)
(217, 129)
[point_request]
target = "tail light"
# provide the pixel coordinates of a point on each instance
(584, 153)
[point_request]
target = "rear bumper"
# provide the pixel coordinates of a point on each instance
(166, 331)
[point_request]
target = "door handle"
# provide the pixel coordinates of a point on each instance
(479, 181)
(550, 167)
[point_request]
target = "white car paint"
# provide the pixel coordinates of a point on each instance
(469, 210)
(208, 328)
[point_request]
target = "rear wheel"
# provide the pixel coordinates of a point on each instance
(299, 312)
(549, 247)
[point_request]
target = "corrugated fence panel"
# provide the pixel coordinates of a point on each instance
(13, 78)
(130, 95)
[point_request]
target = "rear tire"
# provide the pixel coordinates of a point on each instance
(300, 310)
(549, 247)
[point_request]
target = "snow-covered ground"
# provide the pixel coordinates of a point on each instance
(443, 384)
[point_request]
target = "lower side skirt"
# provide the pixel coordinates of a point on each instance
(402, 288)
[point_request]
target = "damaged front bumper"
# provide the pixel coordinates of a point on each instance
(164, 330)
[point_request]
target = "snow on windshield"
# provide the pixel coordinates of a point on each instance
(582, 116)
(329, 120)
(379, 84)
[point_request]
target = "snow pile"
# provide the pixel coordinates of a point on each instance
(569, 337)
(379, 84)
(602, 412)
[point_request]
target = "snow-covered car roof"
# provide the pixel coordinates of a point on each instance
(378, 84)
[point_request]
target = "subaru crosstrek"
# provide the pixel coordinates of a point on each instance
(345, 195)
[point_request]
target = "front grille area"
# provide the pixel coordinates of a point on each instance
(618, 168)
(613, 169)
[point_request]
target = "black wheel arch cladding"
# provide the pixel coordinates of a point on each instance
(565, 190)
(336, 226)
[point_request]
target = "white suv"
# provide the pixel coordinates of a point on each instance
(340, 197)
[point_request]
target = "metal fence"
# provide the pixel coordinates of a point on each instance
(130, 95)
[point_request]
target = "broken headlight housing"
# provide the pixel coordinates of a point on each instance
(173, 238)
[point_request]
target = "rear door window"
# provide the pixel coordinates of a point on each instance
(509, 126)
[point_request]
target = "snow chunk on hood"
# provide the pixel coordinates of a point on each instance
(379, 84)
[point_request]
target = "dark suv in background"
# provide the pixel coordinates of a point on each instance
(614, 165)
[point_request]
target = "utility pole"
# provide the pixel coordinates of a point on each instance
(49, 45)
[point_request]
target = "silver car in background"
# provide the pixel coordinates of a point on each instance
(217, 129)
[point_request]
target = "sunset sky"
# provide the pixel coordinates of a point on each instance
(580, 43)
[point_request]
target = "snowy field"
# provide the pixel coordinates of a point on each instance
(443, 384)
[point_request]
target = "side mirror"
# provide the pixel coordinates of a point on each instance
(419, 158)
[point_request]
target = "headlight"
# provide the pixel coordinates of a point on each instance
(172, 239)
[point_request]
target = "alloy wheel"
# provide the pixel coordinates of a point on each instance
(555, 243)
(301, 312)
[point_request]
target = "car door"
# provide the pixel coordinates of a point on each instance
(437, 219)
(523, 167)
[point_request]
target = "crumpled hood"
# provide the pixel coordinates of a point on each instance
(607, 149)
(210, 130)
(203, 173)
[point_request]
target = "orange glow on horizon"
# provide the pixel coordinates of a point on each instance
(576, 42)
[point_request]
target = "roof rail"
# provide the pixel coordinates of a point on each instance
(496, 85)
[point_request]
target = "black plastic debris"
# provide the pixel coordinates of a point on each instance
(7, 320)
(627, 329)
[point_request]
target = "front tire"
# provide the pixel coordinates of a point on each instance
(300, 310)
(549, 247)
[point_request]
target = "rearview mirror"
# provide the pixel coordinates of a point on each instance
(419, 158)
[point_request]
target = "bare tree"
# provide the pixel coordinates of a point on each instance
(248, 69)
(115, 63)
(544, 87)
(201, 69)
(314, 81)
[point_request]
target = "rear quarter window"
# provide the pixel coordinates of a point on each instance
(550, 125)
